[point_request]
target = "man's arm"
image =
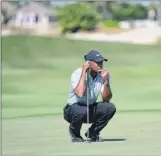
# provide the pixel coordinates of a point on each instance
(106, 90)
(106, 93)
(81, 86)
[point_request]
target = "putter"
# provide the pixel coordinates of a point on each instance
(87, 94)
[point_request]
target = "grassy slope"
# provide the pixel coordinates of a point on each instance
(36, 74)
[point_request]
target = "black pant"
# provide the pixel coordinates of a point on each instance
(99, 114)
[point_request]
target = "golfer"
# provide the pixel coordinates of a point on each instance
(100, 113)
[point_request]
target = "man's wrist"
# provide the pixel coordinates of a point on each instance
(84, 71)
(106, 83)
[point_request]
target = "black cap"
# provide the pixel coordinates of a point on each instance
(94, 56)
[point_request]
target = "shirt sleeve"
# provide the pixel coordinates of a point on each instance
(75, 78)
(109, 82)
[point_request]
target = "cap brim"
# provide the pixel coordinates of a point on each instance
(100, 59)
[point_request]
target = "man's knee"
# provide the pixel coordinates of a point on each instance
(77, 113)
(109, 107)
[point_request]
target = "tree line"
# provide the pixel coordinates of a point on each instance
(86, 16)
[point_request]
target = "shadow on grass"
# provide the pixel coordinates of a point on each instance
(116, 139)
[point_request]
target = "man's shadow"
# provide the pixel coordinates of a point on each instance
(112, 140)
(116, 139)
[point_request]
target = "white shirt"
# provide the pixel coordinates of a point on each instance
(95, 87)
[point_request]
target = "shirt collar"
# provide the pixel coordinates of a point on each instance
(97, 76)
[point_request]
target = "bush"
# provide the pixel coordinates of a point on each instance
(78, 16)
(129, 12)
(111, 24)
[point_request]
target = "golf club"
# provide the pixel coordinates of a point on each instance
(87, 94)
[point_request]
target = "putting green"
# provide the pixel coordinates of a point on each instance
(48, 136)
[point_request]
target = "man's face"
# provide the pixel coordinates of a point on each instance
(96, 66)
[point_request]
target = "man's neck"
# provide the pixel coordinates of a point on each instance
(93, 74)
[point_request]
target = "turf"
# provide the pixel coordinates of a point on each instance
(35, 82)
(36, 74)
(129, 134)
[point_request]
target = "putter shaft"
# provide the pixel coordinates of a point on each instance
(87, 96)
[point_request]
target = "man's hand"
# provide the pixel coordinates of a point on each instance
(86, 65)
(104, 74)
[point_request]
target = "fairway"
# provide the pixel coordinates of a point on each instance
(35, 83)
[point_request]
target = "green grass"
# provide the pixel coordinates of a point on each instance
(36, 74)
(48, 136)
(35, 82)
